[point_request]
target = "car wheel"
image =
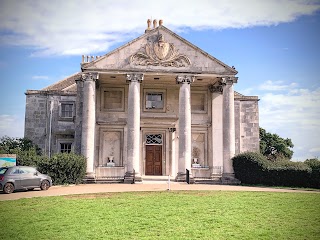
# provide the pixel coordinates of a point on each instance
(8, 188)
(45, 185)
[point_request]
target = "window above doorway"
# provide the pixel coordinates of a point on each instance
(154, 100)
(154, 139)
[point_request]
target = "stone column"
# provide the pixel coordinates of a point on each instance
(184, 161)
(216, 130)
(133, 125)
(89, 120)
(228, 129)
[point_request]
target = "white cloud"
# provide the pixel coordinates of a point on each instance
(40, 77)
(12, 126)
(312, 150)
(80, 27)
(276, 86)
(293, 114)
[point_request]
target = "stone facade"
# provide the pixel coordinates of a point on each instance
(44, 125)
(155, 106)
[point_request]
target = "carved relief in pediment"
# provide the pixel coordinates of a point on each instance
(160, 53)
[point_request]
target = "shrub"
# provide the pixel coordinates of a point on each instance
(250, 167)
(28, 158)
(315, 175)
(64, 168)
(292, 174)
(254, 168)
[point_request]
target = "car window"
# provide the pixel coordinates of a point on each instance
(15, 171)
(3, 170)
(26, 170)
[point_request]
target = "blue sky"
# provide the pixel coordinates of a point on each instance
(274, 46)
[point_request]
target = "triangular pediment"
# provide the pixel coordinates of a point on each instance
(159, 50)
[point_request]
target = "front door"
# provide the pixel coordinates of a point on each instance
(153, 160)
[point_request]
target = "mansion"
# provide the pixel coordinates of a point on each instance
(156, 106)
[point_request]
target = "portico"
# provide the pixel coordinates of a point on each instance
(175, 130)
(155, 106)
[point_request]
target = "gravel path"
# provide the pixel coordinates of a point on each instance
(148, 186)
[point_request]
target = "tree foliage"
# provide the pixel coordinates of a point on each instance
(314, 163)
(274, 147)
(9, 145)
(28, 153)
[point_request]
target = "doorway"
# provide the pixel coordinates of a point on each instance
(154, 160)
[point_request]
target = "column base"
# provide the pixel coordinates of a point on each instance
(216, 174)
(182, 177)
(132, 177)
(216, 178)
(229, 179)
(89, 178)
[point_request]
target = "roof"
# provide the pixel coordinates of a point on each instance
(64, 84)
(148, 60)
(240, 96)
(68, 84)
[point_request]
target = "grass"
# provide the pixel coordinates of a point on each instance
(164, 215)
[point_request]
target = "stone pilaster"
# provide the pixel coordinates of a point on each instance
(228, 130)
(133, 125)
(79, 114)
(88, 120)
(172, 152)
(184, 161)
(216, 130)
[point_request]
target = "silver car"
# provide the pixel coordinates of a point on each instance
(22, 178)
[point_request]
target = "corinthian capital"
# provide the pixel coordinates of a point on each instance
(135, 77)
(185, 79)
(217, 87)
(90, 76)
(229, 80)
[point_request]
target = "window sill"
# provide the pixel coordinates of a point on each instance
(62, 119)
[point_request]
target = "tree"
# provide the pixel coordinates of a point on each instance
(26, 151)
(274, 147)
(10, 145)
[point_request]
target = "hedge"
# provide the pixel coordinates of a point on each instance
(315, 166)
(254, 168)
(64, 168)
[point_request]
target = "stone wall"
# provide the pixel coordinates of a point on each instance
(37, 119)
(247, 125)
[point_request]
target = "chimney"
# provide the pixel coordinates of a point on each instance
(149, 24)
(160, 22)
(154, 23)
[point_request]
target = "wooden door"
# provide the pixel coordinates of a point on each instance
(153, 160)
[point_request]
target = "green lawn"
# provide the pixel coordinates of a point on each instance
(164, 215)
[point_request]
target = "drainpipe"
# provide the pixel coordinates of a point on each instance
(50, 128)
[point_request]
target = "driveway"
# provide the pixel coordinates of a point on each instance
(148, 186)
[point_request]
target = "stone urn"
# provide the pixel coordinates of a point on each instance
(110, 162)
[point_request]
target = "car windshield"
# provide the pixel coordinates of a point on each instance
(3, 170)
